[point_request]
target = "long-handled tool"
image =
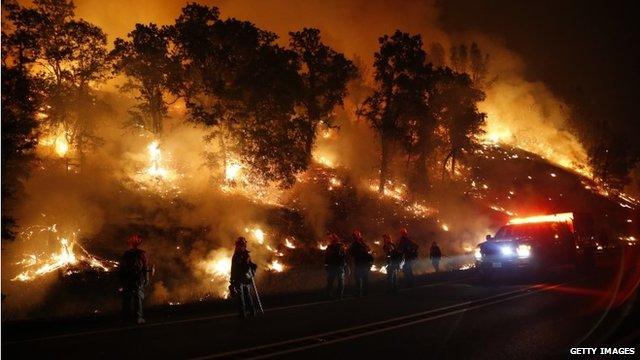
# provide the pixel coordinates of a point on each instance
(255, 289)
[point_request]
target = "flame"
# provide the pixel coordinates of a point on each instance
(65, 259)
(218, 270)
(382, 269)
(391, 190)
(397, 192)
(276, 266)
(289, 243)
(562, 217)
(325, 161)
(57, 140)
(516, 118)
(445, 227)
(155, 158)
(156, 176)
(334, 182)
(629, 239)
(61, 146)
(497, 134)
(232, 171)
(328, 133)
(467, 266)
(219, 267)
(502, 210)
(240, 182)
(257, 234)
(322, 246)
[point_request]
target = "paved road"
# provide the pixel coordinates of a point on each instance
(448, 316)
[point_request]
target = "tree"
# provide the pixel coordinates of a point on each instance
(459, 58)
(399, 96)
(454, 103)
(19, 137)
(610, 157)
(145, 59)
(71, 58)
(253, 95)
(21, 95)
(478, 65)
(611, 154)
(436, 55)
(325, 74)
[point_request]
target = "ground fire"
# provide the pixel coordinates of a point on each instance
(69, 259)
(192, 163)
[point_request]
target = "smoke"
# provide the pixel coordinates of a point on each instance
(190, 223)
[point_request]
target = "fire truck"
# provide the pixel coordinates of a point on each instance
(538, 243)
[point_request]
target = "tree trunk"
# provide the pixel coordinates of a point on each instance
(422, 182)
(453, 164)
(223, 150)
(421, 170)
(384, 163)
(156, 112)
(444, 165)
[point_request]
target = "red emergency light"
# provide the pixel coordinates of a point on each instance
(562, 217)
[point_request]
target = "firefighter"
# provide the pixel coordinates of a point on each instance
(134, 273)
(435, 254)
(362, 261)
(335, 263)
(409, 250)
(241, 282)
(393, 260)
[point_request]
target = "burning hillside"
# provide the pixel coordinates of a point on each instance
(210, 128)
(287, 239)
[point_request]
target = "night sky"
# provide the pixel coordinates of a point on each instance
(584, 52)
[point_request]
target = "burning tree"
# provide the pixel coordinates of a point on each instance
(421, 106)
(325, 74)
(454, 103)
(221, 61)
(399, 74)
(70, 58)
(249, 92)
(145, 59)
(470, 60)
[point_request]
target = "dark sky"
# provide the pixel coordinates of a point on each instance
(582, 51)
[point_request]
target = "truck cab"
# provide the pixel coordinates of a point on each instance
(533, 243)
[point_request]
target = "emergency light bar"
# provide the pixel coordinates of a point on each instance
(562, 217)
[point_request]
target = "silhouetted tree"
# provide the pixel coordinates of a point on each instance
(260, 101)
(459, 58)
(398, 98)
(610, 157)
(436, 55)
(145, 59)
(72, 58)
(19, 138)
(611, 154)
(454, 103)
(21, 98)
(325, 74)
(478, 63)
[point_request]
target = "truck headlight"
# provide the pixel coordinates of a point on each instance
(523, 251)
(477, 254)
(506, 250)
